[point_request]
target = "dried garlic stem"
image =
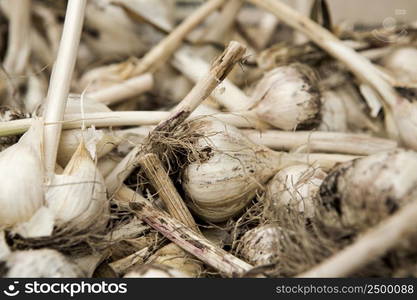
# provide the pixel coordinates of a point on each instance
(356, 63)
(123, 118)
(18, 48)
(322, 160)
(59, 85)
(160, 180)
(316, 141)
(158, 55)
(370, 246)
(231, 97)
(184, 237)
(218, 72)
(129, 88)
(120, 266)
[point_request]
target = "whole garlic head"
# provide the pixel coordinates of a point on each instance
(39, 263)
(223, 184)
(22, 177)
(155, 271)
(361, 192)
(294, 188)
(287, 97)
(402, 63)
(260, 246)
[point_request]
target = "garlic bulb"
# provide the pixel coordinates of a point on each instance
(224, 184)
(294, 188)
(155, 271)
(361, 192)
(98, 142)
(405, 117)
(38, 263)
(21, 177)
(173, 256)
(78, 195)
(287, 98)
(260, 245)
(333, 113)
(402, 62)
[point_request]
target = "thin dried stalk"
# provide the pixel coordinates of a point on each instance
(166, 190)
(356, 63)
(18, 45)
(316, 141)
(370, 246)
(57, 96)
(183, 236)
(122, 118)
(158, 55)
(218, 72)
(124, 90)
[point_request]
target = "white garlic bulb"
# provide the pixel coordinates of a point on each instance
(333, 112)
(21, 177)
(260, 245)
(362, 191)
(405, 118)
(173, 256)
(294, 188)
(402, 63)
(78, 195)
(39, 263)
(227, 180)
(287, 98)
(155, 271)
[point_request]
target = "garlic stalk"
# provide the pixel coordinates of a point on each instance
(223, 182)
(260, 245)
(78, 196)
(21, 177)
(293, 188)
(359, 193)
(39, 264)
(321, 141)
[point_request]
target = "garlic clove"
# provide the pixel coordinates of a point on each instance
(21, 177)
(155, 271)
(223, 184)
(293, 188)
(288, 98)
(260, 245)
(38, 263)
(98, 142)
(41, 224)
(361, 192)
(78, 195)
(174, 257)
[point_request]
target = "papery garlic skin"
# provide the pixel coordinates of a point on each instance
(294, 188)
(260, 245)
(78, 195)
(287, 98)
(155, 271)
(221, 186)
(361, 192)
(174, 257)
(333, 113)
(39, 264)
(402, 63)
(21, 178)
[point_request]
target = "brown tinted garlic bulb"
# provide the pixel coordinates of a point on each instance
(294, 188)
(260, 246)
(359, 193)
(288, 98)
(222, 183)
(38, 263)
